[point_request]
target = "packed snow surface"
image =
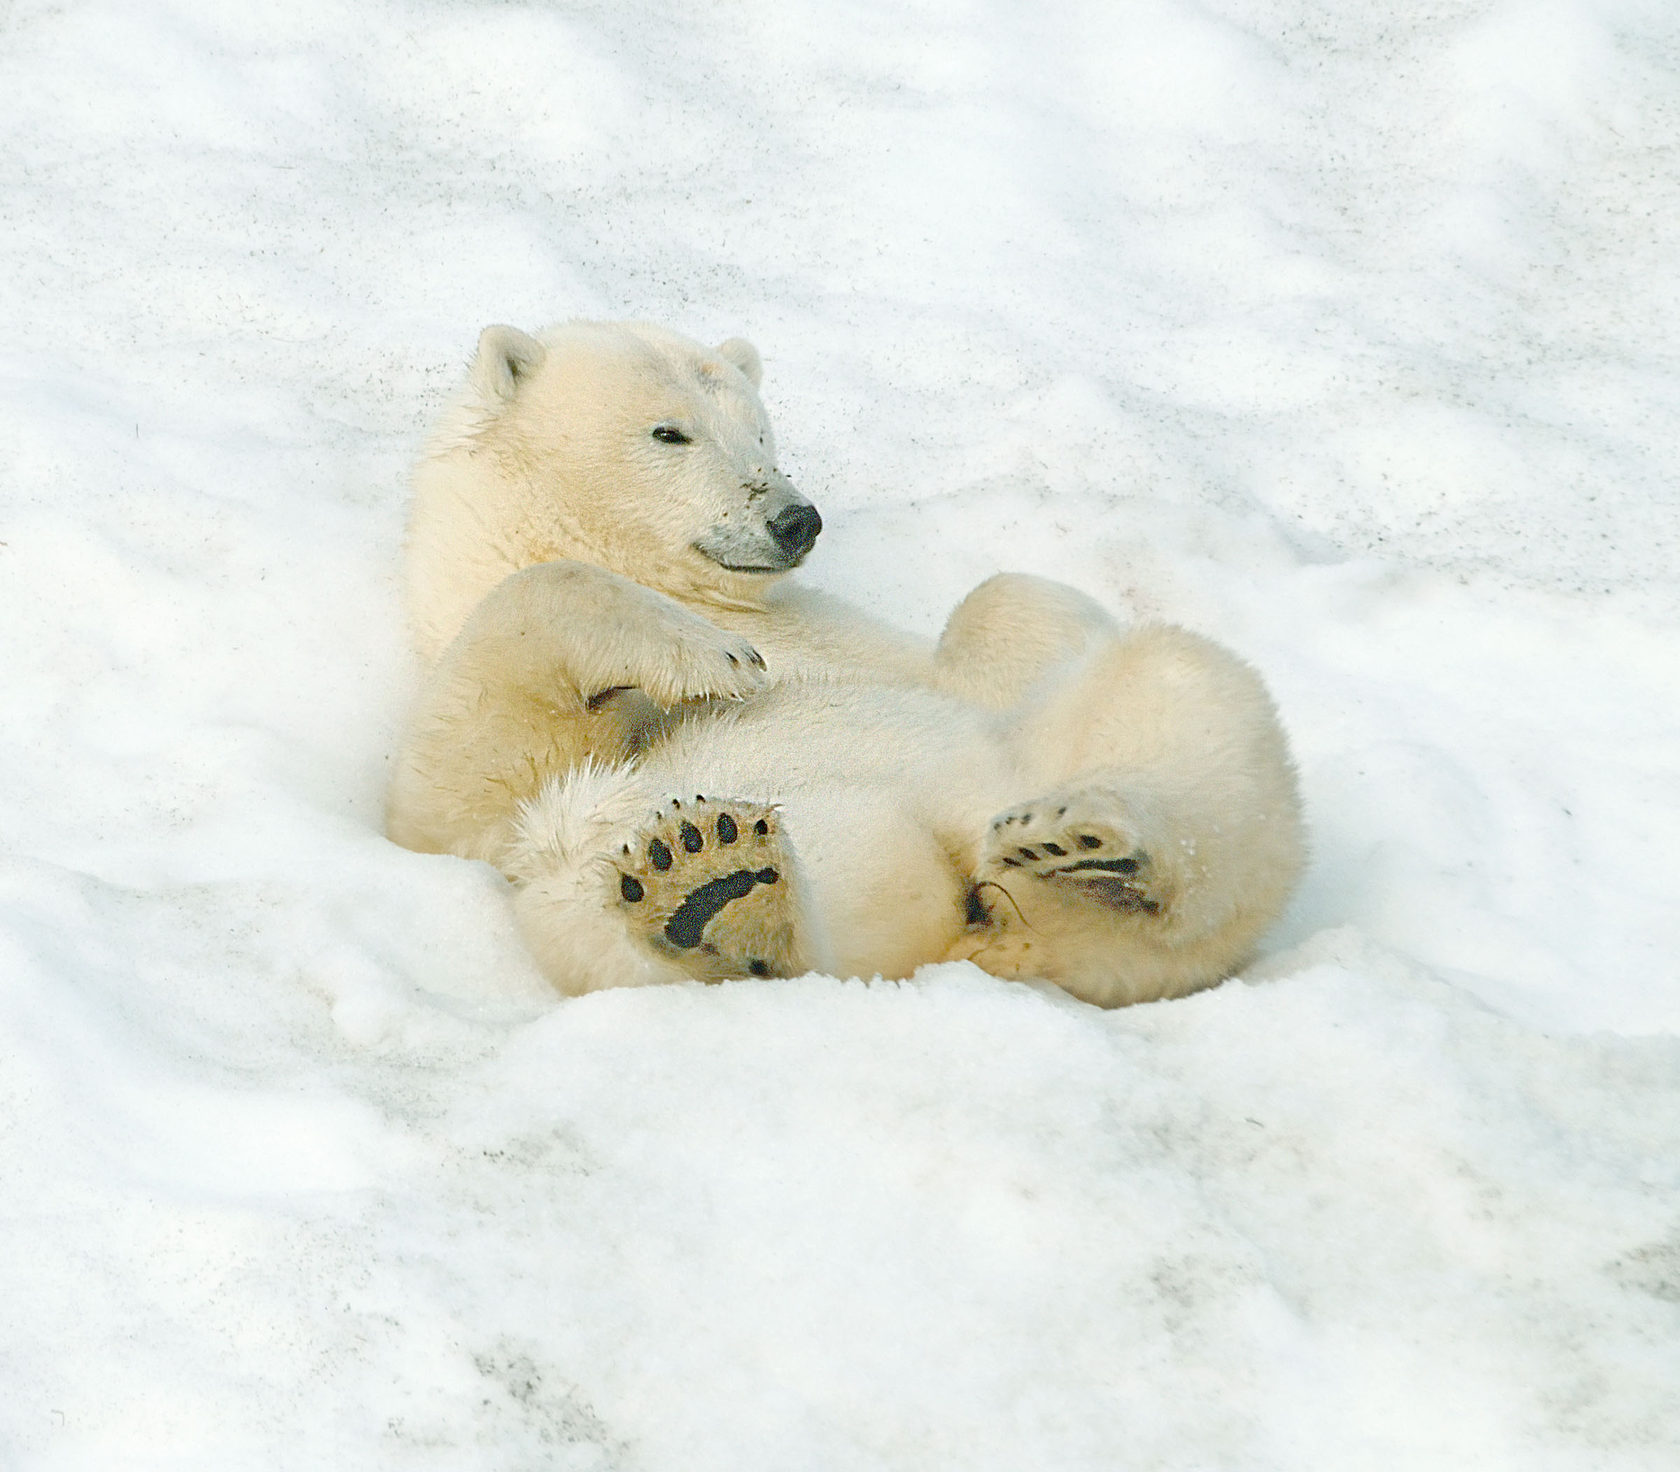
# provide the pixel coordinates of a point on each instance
(1345, 333)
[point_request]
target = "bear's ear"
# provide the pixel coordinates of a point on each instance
(744, 356)
(505, 354)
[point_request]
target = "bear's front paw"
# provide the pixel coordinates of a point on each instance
(709, 884)
(1079, 841)
(699, 661)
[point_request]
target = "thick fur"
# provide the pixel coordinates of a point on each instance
(690, 766)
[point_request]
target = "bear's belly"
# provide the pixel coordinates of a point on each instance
(885, 792)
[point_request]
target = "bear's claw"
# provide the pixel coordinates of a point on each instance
(701, 884)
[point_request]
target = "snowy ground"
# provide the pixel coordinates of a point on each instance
(1343, 332)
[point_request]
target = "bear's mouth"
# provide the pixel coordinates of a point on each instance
(751, 560)
(742, 566)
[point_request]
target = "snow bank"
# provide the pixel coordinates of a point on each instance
(1344, 336)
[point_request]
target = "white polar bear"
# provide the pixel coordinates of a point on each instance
(690, 767)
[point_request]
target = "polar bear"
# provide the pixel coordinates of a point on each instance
(689, 766)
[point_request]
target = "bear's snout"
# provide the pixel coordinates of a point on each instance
(795, 528)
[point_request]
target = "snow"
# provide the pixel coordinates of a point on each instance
(1342, 333)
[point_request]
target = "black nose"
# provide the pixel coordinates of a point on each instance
(794, 529)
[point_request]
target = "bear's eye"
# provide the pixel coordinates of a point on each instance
(669, 434)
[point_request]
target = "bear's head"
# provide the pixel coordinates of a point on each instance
(635, 448)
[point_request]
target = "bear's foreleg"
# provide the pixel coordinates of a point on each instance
(560, 664)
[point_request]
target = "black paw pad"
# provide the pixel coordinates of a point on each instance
(726, 830)
(691, 839)
(758, 968)
(658, 855)
(761, 827)
(685, 927)
(631, 888)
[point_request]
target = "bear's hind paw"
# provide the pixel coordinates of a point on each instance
(709, 884)
(1080, 842)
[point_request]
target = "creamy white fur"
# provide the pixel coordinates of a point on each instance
(559, 551)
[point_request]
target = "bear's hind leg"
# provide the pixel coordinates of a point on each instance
(1011, 631)
(1167, 834)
